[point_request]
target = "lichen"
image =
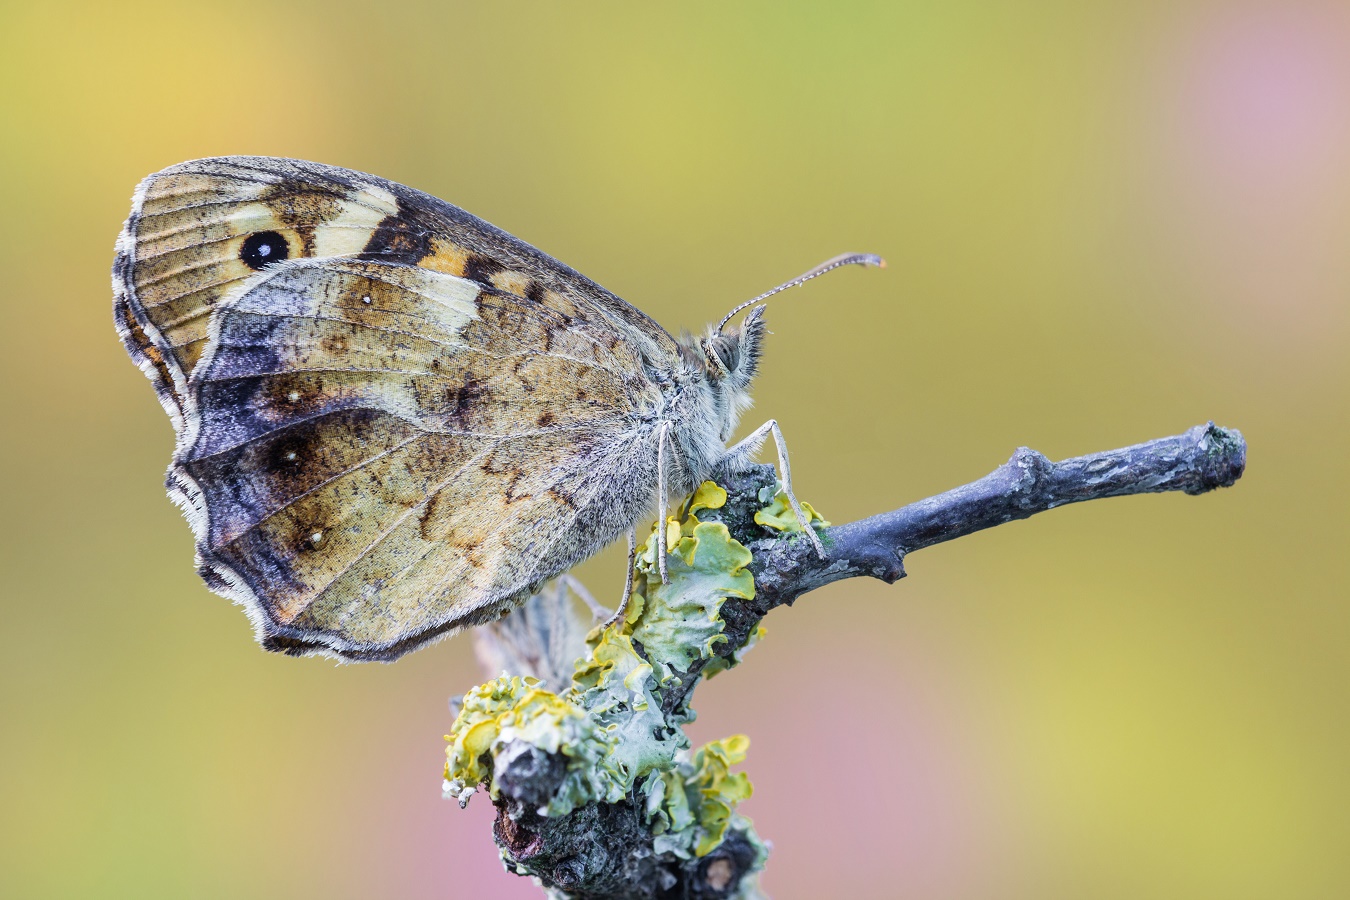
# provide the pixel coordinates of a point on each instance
(719, 664)
(778, 514)
(695, 801)
(615, 686)
(609, 723)
(515, 708)
(680, 623)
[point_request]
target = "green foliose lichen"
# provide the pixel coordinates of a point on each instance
(616, 688)
(609, 723)
(692, 805)
(514, 707)
(778, 514)
(719, 664)
(680, 623)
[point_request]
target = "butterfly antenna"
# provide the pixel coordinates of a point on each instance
(847, 259)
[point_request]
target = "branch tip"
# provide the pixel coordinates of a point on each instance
(1203, 458)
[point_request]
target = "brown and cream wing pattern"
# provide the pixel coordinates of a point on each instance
(387, 452)
(388, 411)
(198, 231)
(192, 239)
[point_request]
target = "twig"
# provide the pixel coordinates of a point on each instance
(1204, 458)
(605, 849)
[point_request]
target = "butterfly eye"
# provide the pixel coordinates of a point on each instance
(263, 249)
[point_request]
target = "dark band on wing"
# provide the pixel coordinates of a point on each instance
(404, 237)
(146, 354)
(480, 268)
(299, 642)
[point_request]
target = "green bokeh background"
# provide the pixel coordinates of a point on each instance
(1104, 222)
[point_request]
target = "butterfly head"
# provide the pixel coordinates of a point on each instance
(730, 358)
(732, 354)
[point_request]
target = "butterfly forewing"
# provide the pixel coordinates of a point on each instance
(186, 249)
(180, 254)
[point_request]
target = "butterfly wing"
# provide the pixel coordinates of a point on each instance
(183, 251)
(383, 443)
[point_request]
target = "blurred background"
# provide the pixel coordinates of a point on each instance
(1105, 223)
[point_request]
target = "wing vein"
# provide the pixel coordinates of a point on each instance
(501, 437)
(384, 535)
(291, 501)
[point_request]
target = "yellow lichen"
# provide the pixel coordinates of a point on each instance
(709, 495)
(779, 516)
(512, 708)
(610, 723)
(478, 724)
(694, 804)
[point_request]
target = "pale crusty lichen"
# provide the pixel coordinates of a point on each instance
(609, 723)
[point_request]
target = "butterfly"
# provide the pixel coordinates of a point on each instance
(393, 420)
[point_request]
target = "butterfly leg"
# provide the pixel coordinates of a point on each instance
(632, 562)
(628, 583)
(662, 505)
(747, 448)
(573, 584)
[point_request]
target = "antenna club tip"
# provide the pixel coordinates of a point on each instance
(846, 259)
(862, 259)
